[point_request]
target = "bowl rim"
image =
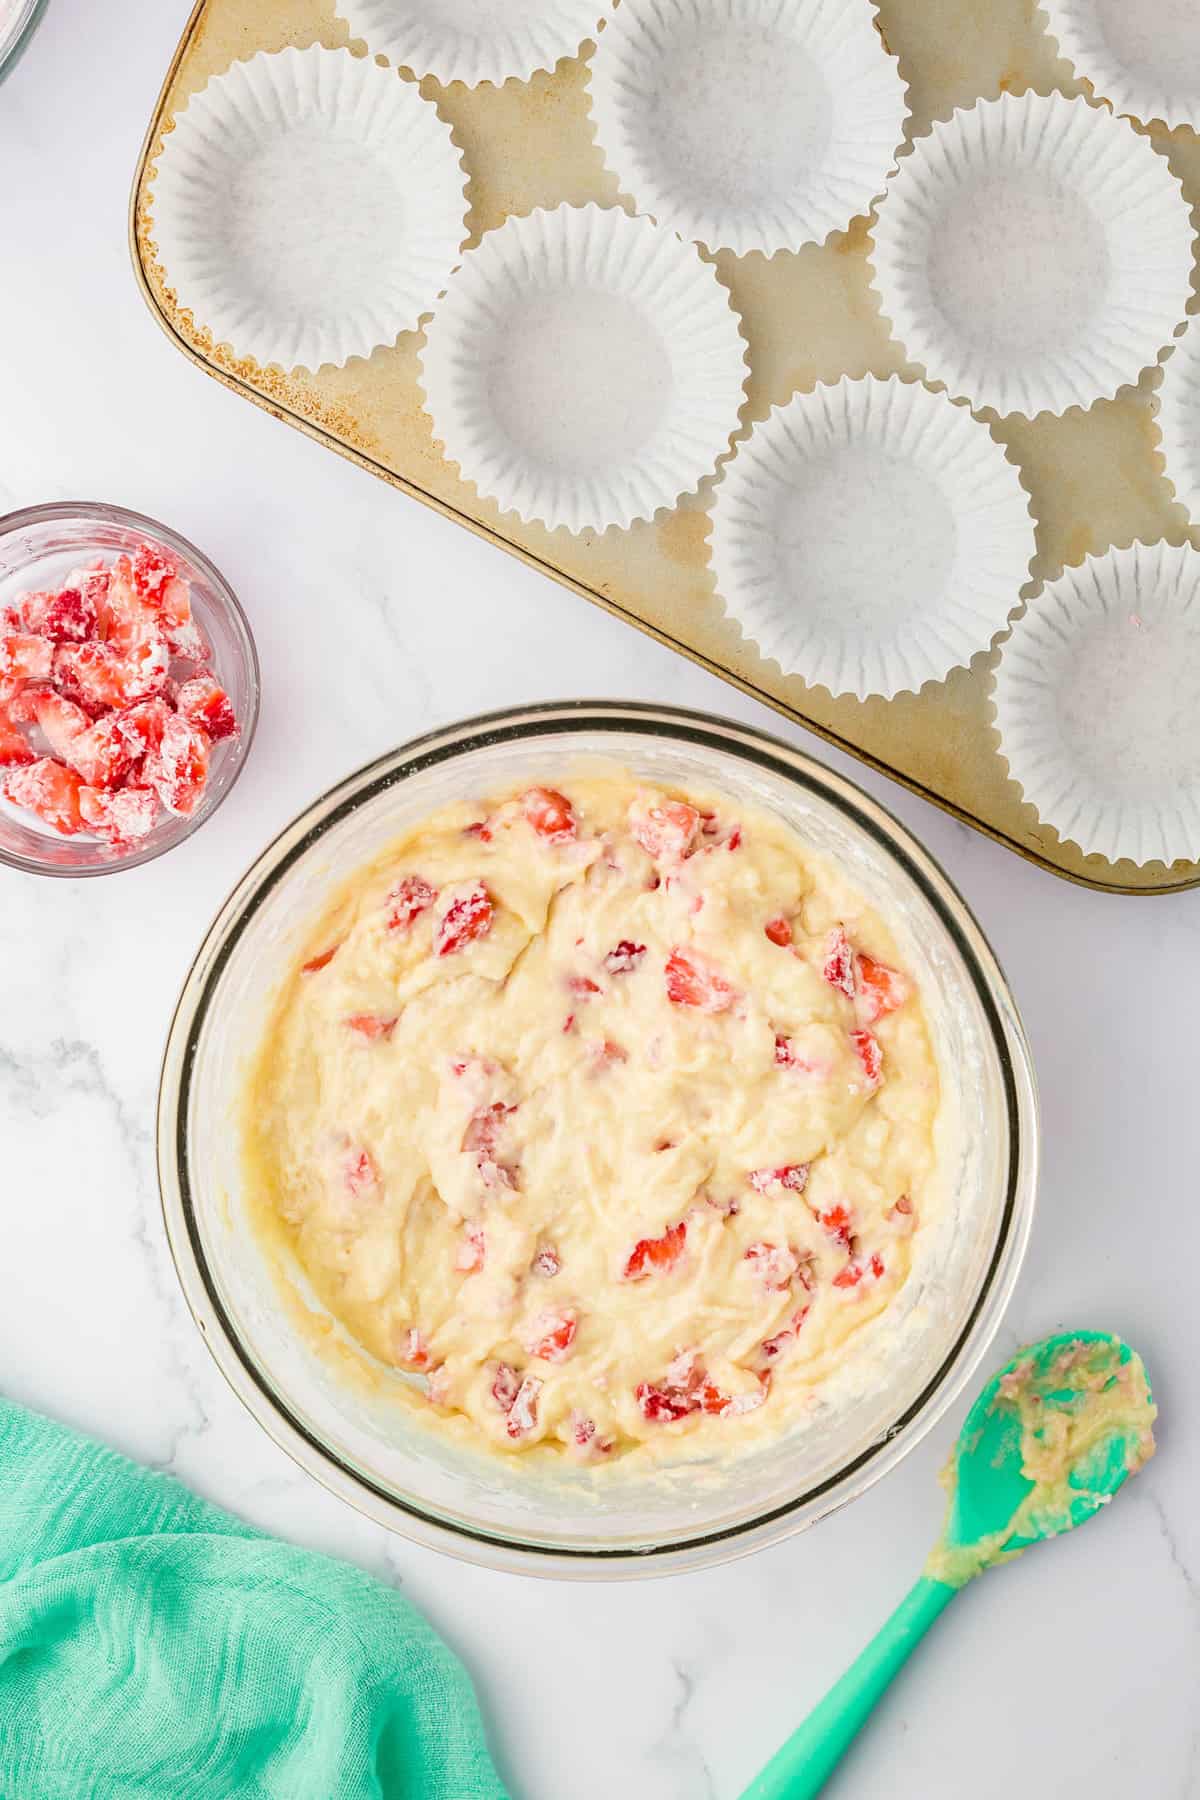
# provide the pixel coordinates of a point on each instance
(704, 1547)
(104, 511)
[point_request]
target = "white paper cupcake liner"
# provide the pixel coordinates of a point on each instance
(748, 124)
(1142, 56)
(308, 207)
(1178, 419)
(1097, 702)
(473, 40)
(1033, 253)
(870, 536)
(584, 369)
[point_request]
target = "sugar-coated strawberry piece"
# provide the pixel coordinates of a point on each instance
(15, 748)
(552, 1335)
(624, 957)
(838, 1223)
(547, 1262)
(97, 676)
(878, 989)
(410, 897)
(779, 931)
(582, 986)
(775, 1265)
(414, 1351)
(204, 702)
(467, 918)
(141, 726)
(505, 1386)
(585, 1439)
(321, 961)
(785, 1051)
(481, 1139)
(667, 832)
(472, 1251)
(151, 567)
(662, 1405)
(692, 981)
(782, 1341)
(372, 1026)
(793, 1176)
(654, 1256)
(522, 1416)
(26, 657)
(866, 1048)
(69, 617)
(359, 1173)
(178, 766)
(121, 817)
(48, 789)
(550, 813)
(839, 962)
(101, 755)
(859, 1269)
(26, 613)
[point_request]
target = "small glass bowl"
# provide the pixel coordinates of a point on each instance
(38, 548)
(17, 21)
(361, 1439)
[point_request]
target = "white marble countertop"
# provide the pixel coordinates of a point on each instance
(1071, 1676)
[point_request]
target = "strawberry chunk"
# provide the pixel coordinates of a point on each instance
(552, 1335)
(793, 1176)
(15, 749)
(522, 1416)
(505, 1386)
(651, 1256)
(480, 829)
(472, 1252)
(481, 1139)
(785, 1052)
(204, 702)
(779, 931)
(151, 567)
(467, 918)
(662, 1405)
(547, 1262)
(48, 789)
(321, 961)
(101, 755)
(121, 818)
(26, 657)
(414, 1351)
(550, 813)
(97, 676)
(407, 901)
(692, 981)
(69, 617)
(667, 832)
(582, 986)
(866, 1048)
(584, 1437)
(879, 990)
(372, 1026)
(178, 767)
(836, 1220)
(359, 1172)
(839, 962)
(141, 726)
(782, 1341)
(624, 957)
(775, 1265)
(859, 1269)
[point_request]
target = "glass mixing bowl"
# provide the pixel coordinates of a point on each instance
(497, 1510)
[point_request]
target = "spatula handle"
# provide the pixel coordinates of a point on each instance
(804, 1764)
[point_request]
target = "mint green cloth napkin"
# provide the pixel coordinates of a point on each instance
(154, 1648)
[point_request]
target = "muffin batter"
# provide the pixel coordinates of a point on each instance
(608, 1113)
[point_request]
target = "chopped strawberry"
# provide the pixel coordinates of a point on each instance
(836, 1220)
(858, 1269)
(552, 1335)
(372, 1026)
(880, 990)
(692, 981)
(774, 1265)
(607, 1053)
(651, 1256)
(26, 613)
(322, 961)
(783, 1340)
(178, 767)
(505, 1386)
(785, 1053)
(793, 1176)
(710, 1399)
(662, 1405)
(151, 568)
(480, 1139)
(96, 675)
(522, 1416)
(414, 1352)
(26, 657)
(203, 702)
(666, 832)
(407, 900)
(866, 1048)
(48, 789)
(121, 818)
(472, 1252)
(480, 829)
(468, 917)
(69, 617)
(839, 962)
(625, 957)
(15, 749)
(547, 1261)
(100, 753)
(359, 1171)
(734, 840)
(141, 726)
(779, 931)
(584, 1438)
(550, 813)
(582, 986)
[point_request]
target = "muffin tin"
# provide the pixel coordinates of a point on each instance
(1094, 479)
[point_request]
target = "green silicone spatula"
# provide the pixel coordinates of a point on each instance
(1048, 1442)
